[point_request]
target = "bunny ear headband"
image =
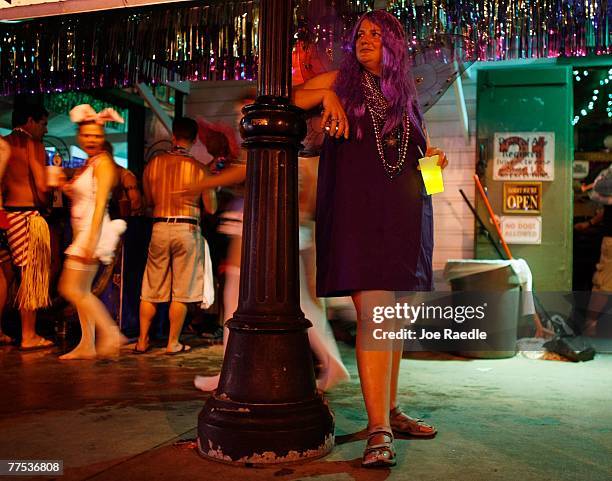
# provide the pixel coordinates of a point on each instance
(86, 113)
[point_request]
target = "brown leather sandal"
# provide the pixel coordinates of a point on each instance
(379, 454)
(401, 423)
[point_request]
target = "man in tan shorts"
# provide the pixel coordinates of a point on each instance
(175, 264)
(24, 186)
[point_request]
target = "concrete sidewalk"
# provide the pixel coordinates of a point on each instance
(135, 419)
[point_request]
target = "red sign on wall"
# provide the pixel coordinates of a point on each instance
(524, 156)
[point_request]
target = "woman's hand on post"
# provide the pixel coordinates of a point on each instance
(442, 161)
(334, 119)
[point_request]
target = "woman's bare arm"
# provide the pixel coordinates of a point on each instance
(106, 178)
(318, 91)
(233, 174)
(311, 93)
(431, 151)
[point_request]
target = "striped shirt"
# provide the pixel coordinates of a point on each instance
(167, 174)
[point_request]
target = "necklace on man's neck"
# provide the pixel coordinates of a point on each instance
(23, 131)
(180, 150)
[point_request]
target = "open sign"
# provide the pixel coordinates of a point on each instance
(522, 197)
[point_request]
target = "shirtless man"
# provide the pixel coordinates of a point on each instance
(5, 152)
(24, 187)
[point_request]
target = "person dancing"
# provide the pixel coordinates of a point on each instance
(320, 336)
(374, 221)
(94, 238)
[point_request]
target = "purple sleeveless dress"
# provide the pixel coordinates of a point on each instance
(372, 232)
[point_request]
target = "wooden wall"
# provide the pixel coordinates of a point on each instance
(454, 223)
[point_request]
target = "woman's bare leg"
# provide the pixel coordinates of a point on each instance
(374, 365)
(230, 304)
(73, 286)
(401, 422)
(320, 335)
(395, 366)
(398, 351)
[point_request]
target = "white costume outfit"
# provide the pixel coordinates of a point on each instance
(83, 196)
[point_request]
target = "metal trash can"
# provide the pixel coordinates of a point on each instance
(495, 284)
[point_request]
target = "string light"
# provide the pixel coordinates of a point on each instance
(594, 97)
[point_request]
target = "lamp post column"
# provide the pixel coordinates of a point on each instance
(266, 408)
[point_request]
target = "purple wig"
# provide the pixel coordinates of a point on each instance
(397, 83)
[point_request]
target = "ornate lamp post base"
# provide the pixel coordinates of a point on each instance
(240, 433)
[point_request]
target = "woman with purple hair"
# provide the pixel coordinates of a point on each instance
(374, 220)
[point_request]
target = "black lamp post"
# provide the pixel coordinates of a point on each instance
(266, 408)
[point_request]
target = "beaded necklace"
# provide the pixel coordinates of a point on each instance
(377, 105)
(23, 131)
(179, 150)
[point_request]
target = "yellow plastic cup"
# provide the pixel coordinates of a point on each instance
(432, 174)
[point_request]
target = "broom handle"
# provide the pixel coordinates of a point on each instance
(482, 224)
(493, 218)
